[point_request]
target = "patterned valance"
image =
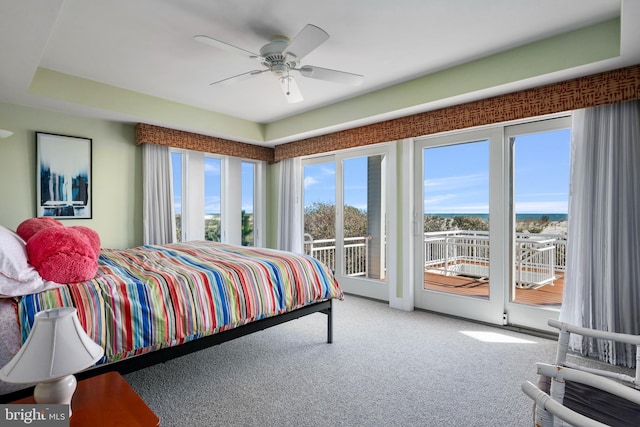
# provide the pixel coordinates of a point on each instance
(150, 134)
(603, 88)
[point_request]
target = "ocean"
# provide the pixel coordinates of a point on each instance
(519, 216)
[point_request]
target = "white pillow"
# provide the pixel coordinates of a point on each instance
(17, 276)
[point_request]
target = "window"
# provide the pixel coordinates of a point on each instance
(320, 211)
(248, 203)
(177, 165)
(217, 198)
(541, 197)
(514, 178)
(363, 217)
(346, 214)
(212, 198)
(456, 218)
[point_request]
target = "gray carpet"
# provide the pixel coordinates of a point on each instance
(385, 368)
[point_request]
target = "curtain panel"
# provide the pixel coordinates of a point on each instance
(290, 206)
(602, 284)
(158, 221)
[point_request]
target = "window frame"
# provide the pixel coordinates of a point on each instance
(372, 288)
(193, 195)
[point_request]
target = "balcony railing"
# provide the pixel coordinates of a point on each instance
(466, 252)
(356, 253)
(459, 252)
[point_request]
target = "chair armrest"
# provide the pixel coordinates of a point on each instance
(562, 373)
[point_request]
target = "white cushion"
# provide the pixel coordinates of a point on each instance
(17, 276)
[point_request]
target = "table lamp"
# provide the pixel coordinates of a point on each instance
(56, 348)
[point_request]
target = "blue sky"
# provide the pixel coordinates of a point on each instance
(542, 172)
(456, 178)
(319, 184)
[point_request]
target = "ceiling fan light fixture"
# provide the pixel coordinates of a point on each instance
(290, 89)
(280, 69)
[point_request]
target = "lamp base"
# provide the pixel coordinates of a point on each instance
(56, 391)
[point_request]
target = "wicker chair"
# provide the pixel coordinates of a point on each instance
(581, 395)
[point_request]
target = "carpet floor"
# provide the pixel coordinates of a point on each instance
(385, 367)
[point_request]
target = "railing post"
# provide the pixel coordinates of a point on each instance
(366, 256)
(446, 254)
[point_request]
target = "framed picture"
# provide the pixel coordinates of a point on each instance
(63, 178)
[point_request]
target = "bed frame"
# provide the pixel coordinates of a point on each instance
(132, 364)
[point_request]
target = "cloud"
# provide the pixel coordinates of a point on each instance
(212, 204)
(436, 200)
(212, 165)
(328, 171)
(309, 181)
(461, 208)
(455, 182)
(355, 187)
(564, 195)
(542, 207)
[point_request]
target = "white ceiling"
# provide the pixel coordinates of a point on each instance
(147, 46)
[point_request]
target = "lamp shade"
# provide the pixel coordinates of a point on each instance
(57, 346)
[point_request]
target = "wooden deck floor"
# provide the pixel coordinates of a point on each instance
(464, 285)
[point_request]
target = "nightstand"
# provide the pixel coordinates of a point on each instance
(107, 400)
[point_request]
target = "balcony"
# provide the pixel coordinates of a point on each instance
(457, 261)
(538, 257)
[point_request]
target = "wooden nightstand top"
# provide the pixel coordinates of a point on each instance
(107, 400)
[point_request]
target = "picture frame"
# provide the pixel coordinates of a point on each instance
(64, 180)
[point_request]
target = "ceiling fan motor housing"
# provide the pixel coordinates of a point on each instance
(275, 59)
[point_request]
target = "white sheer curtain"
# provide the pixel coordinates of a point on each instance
(290, 206)
(602, 286)
(157, 210)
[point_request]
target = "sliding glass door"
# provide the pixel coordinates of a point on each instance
(493, 222)
(540, 159)
(345, 217)
(456, 269)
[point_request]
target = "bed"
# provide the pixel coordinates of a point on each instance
(153, 303)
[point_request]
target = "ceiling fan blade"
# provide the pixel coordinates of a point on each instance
(239, 77)
(228, 47)
(308, 39)
(290, 89)
(330, 75)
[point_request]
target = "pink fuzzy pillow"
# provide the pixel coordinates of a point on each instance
(62, 255)
(92, 236)
(31, 226)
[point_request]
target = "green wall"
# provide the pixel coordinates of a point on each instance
(117, 172)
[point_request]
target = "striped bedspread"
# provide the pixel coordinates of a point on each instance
(151, 297)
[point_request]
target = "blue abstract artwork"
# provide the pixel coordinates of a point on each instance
(64, 176)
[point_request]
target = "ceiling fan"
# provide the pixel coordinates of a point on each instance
(281, 56)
